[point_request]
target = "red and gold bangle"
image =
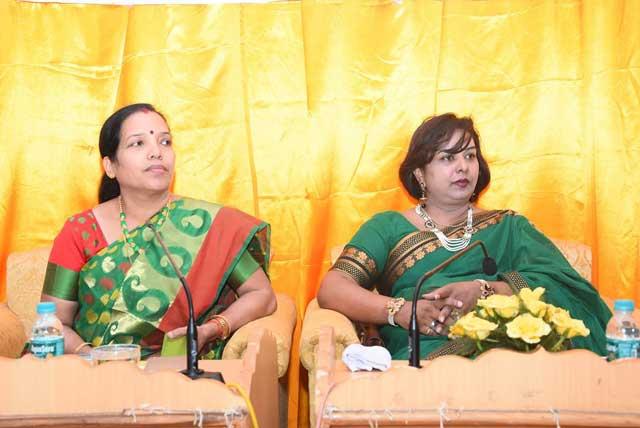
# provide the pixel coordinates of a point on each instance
(223, 323)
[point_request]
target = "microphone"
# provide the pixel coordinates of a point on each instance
(489, 267)
(192, 370)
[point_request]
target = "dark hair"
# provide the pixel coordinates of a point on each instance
(429, 137)
(109, 141)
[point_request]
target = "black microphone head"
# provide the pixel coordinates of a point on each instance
(489, 266)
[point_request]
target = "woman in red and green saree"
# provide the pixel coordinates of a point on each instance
(444, 169)
(108, 273)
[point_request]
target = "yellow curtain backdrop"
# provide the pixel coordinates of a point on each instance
(300, 113)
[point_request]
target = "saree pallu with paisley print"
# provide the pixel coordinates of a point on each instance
(136, 297)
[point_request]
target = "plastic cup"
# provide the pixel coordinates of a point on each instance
(116, 352)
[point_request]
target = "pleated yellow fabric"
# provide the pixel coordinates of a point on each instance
(300, 113)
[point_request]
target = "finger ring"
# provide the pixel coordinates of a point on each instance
(455, 314)
(433, 324)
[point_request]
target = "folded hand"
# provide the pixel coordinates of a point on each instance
(428, 313)
(464, 293)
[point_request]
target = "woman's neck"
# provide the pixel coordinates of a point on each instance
(139, 208)
(446, 215)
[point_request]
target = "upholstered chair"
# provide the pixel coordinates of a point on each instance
(25, 276)
(344, 333)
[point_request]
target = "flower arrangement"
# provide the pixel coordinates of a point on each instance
(521, 322)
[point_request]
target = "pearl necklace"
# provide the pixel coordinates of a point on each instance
(129, 244)
(453, 244)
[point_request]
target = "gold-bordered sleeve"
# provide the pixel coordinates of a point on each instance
(245, 267)
(357, 264)
(61, 282)
(453, 347)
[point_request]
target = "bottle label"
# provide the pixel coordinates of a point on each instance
(622, 348)
(51, 345)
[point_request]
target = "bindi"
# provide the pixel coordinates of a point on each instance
(151, 132)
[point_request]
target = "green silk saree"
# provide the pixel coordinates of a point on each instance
(390, 254)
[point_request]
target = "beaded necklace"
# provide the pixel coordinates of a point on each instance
(130, 246)
(450, 244)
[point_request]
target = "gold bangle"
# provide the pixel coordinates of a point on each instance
(224, 326)
(80, 346)
(217, 323)
(393, 306)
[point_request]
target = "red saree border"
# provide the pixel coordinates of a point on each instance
(230, 234)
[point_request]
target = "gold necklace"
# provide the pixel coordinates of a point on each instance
(130, 246)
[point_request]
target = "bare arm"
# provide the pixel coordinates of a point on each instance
(66, 311)
(341, 293)
(256, 300)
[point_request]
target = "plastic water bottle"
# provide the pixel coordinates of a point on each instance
(623, 335)
(46, 335)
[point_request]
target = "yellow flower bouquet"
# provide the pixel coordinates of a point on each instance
(521, 322)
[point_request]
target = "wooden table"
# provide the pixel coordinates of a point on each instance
(500, 388)
(69, 391)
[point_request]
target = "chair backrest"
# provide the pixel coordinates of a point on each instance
(25, 277)
(578, 255)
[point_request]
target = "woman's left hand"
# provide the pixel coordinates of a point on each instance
(206, 333)
(467, 292)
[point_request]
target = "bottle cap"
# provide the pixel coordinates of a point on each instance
(624, 305)
(46, 308)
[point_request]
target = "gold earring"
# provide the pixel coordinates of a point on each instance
(423, 197)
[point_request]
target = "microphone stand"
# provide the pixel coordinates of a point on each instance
(489, 268)
(192, 370)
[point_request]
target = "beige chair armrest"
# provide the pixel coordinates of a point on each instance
(315, 319)
(577, 254)
(281, 324)
(25, 276)
(12, 336)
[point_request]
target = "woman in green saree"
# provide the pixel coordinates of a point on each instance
(445, 170)
(108, 273)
